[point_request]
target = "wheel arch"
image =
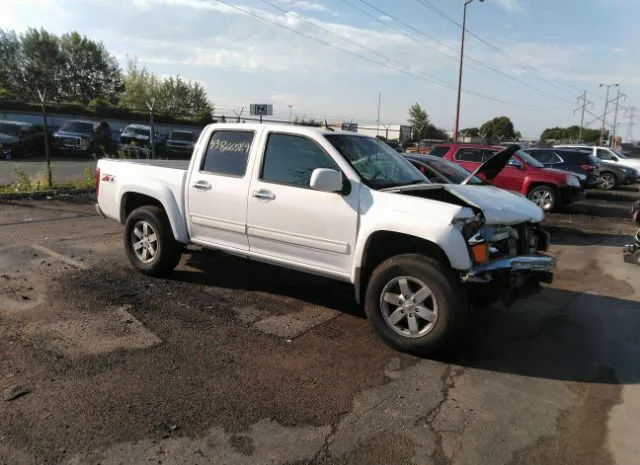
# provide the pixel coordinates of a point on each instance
(384, 244)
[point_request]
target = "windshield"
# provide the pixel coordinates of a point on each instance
(77, 126)
(529, 160)
(454, 173)
(378, 165)
(10, 129)
(620, 154)
(133, 131)
(184, 136)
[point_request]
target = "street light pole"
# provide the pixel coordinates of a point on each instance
(290, 107)
(464, 27)
(604, 115)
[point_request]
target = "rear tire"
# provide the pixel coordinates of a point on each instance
(608, 181)
(415, 304)
(149, 241)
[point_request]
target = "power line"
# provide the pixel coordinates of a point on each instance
(630, 116)
(352, 43)
(540, 74)
(583, 100)
(380, 63)
(470, 58)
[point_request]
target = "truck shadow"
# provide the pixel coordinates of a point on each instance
(222, 270)
(566, 335)
(562, 335)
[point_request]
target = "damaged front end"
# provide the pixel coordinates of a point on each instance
(508, 261)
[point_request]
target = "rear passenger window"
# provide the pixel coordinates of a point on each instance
(474, 155)
(439, 151)
(228, 152)
(290, 160)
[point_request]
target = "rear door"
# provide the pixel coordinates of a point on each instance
(217, 190)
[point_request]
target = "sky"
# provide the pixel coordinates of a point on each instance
(331, 59)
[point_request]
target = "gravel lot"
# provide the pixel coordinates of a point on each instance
(232, 362)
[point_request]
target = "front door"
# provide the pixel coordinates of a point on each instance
(288, 220)
(217, 191)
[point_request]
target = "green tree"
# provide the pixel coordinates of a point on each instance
(419, 121)
(41, 64)
(471, 132)
(89, 72)
(11, 78)
(572, 134)
(173, 95)
(498, 129)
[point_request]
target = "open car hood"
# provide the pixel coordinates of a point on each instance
(500, 207)
(492, 167)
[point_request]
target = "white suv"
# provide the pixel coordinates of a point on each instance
(609, 155)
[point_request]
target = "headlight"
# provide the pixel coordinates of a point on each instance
(469, 227)
(573, 181)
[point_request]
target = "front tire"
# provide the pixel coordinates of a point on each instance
(544, 197)
(149, 241)
(415, 304)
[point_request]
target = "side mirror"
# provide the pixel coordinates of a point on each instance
(326, 180)
(614, 158)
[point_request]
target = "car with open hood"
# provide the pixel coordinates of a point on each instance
(337, 204)
(546, 187)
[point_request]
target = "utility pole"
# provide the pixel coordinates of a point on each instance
(464, 28)
(378, 122)
(290, 107)
(615, 115)
(47, 151)
(630, 116)
(151, 138)
(584, 103)
(604, 114)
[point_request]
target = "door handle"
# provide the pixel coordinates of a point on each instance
(202, 185)
(264, 194)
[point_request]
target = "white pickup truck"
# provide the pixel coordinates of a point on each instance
(337, 204)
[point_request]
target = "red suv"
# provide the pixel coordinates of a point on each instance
(546, 187)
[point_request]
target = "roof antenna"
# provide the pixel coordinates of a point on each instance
(326, 125)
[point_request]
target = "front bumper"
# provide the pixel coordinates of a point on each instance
(521, 264)
(509, 279)
(570, 194)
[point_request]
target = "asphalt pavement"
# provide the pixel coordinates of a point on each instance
(233, 362)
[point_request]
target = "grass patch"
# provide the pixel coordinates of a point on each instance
(25, 184)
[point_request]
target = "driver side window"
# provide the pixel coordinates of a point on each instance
(290, 160)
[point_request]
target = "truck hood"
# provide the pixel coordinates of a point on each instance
(499, 207)
(71, 134)
(631, 163)
(8, 139)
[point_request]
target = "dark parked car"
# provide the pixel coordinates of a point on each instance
(613, 175)
(19, 139)
(575, 161)
(441, 171)
(180, 143)
(82, 137)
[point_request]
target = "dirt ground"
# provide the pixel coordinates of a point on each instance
(233, 362)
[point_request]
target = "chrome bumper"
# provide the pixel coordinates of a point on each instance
(527, 263)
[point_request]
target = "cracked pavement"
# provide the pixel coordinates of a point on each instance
(230, 362)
